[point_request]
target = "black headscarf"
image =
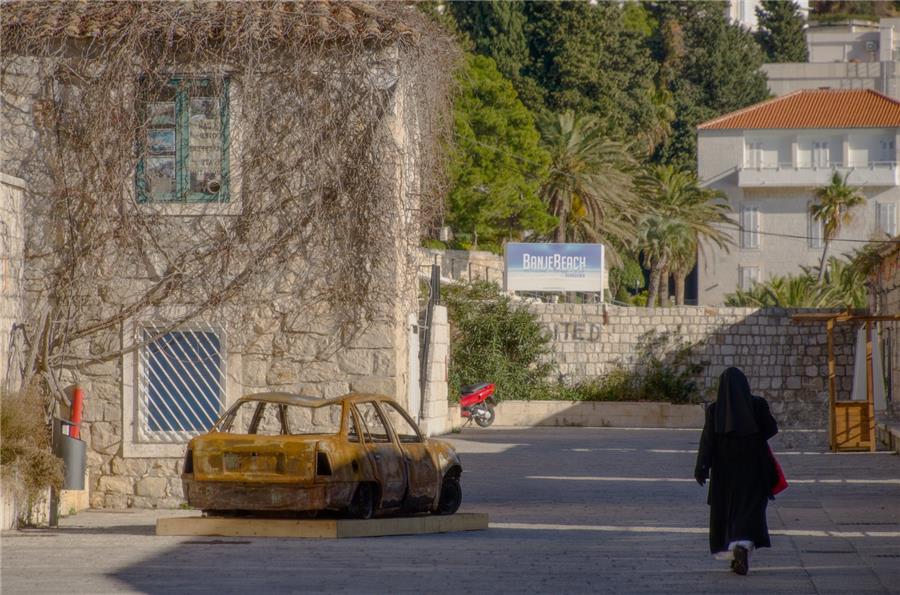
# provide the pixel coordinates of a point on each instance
(734, 406)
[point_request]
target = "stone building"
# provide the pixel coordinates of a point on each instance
(217, 199)
(769, 158)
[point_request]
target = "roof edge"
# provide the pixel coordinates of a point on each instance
(754, 106)
(709, 124)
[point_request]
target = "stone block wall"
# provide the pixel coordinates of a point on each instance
(886, 300)
(786, 361)
(434, 416)
(465, 265)
(277, 360)
(274, 341)
(12, 242)
(11, 306)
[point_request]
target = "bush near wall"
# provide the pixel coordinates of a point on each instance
(668, 373)
(494, 339)
(27, 465)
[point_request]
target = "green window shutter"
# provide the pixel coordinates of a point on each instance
(184, 152)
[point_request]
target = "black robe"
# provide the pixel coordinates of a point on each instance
(741, 478)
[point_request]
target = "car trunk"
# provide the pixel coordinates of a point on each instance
(264, 459)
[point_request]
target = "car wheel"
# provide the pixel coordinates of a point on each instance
(451, 496)
(362, 506)
(485, 417)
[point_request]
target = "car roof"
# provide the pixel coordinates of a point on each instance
(307, 401)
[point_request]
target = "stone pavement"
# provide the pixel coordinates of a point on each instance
(573, 510)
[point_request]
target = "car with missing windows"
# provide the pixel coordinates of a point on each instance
(360, 454)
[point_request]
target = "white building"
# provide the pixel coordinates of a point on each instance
(768, 159)
(743, 12)
(847, 55)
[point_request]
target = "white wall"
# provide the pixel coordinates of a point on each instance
(844, 44)
(776, 148)
(12, 242)
(782, 211)
(788, 77)
(855, 148)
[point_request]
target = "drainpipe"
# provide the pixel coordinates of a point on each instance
(434, 298)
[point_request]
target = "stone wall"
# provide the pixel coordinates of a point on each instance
(785, 361)
(434, 415)
(273, 340)
(464, 265)
(11, 307)
(885, 299)
(12, 242)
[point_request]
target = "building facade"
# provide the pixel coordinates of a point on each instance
(848, 55)
(769, 158)
(209, 240)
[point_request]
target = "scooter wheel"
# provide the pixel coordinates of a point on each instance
(484, 417)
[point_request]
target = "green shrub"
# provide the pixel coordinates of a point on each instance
(496, 340)
(435, 244)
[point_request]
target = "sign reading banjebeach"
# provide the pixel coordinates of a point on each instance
(554, 267)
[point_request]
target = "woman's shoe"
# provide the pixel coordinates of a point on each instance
(741, 562)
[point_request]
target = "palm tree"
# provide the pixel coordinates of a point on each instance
(590, 184)
(790, 291)
(834, 209)
(845, 284)
(677, 195)
(684, 257)
(657, 235)
(660, 126)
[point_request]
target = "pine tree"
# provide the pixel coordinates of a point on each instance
(497, 164)
(497, 29)
(710, 66)
(781, 33)
(587, 61)
(568, 55)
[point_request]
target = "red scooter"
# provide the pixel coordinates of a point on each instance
(476, 402)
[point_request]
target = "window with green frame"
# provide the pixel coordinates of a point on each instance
(184, 151)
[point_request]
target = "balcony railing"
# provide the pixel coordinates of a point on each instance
(875, 173)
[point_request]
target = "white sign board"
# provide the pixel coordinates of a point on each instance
(554, 267)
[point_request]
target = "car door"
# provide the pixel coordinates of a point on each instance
(384, 453)
(422, 472)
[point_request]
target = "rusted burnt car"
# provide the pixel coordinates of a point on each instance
(359, 454)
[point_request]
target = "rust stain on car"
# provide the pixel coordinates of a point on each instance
(360, 454)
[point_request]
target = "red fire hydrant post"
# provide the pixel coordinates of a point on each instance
(77, 406)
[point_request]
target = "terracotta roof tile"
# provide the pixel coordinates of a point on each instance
(814, 108)
(314, 19)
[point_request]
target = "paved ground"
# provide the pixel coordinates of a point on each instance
(573, 510)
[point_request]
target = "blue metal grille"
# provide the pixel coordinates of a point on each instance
(181, 384)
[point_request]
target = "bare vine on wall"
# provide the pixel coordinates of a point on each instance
(315, 137)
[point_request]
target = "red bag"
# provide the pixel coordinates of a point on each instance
(781, 484)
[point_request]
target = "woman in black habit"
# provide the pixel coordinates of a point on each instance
(734, 456)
